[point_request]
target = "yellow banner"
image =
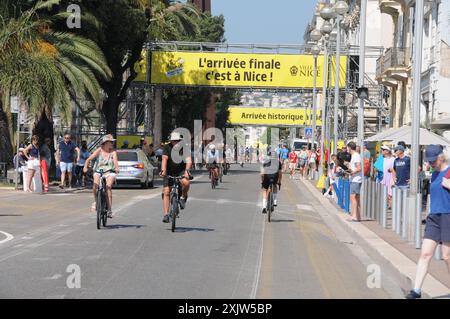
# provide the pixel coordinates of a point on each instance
(239, 70)
(271, 116)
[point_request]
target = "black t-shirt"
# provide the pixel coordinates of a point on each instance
(174, 168)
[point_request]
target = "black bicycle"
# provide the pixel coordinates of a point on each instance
(270, 202)
(175, 195)
(102, 211)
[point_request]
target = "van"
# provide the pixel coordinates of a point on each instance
(298, 143)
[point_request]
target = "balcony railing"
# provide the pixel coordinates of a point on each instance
(393, 58)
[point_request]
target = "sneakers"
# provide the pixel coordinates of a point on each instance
(166, 219)
(275, 203)
(110, 214)
(413, 295)
(182, 202)
(264, 210)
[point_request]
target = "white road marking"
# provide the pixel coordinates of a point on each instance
(8, 237)
(258, 266)
(305, 207)
(55, 276)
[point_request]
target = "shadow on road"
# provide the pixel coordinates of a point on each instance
(281, 220)
(188, 229)
(119, 226)
(9, 215)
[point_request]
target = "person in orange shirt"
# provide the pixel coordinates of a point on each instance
(293, 159)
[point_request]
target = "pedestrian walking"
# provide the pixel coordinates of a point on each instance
(292, 163)
(312, 163)
(331, 173)
(80, 175)
(355, 182)
(437, 229)
(65, 159)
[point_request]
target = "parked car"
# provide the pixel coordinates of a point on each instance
(135, 168)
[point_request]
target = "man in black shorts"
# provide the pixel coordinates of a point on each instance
(173, 167)
(270, 174)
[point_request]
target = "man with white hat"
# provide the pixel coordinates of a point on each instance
(172, 167)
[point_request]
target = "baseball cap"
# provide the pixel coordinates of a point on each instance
(432, 152)
(107, 138)
(175, 136)
(386, 148)
(399, 148)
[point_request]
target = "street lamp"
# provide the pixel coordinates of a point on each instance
(315, 50)
(326, 13)
(341, 8)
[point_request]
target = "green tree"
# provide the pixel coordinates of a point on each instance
(43, 67)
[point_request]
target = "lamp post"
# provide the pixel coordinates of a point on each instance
(341, 8)
(315, 50)
(326, 13)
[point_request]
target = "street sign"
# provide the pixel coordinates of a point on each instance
(308, 132)
(15, 104)
(387, 119)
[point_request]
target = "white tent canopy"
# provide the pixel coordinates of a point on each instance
(442, 124)
(404, 134)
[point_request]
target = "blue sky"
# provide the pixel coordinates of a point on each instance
(264, 21)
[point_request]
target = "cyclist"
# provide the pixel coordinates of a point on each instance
(170, 166)
(213, 160)
(106, 160)
(270, 175)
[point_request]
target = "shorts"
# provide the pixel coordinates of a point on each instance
(355, 188)
(106, 175)
(66, 167)
(269, 179)
(302, 163)
(212, 166)
(437, 228)
(33, 164)
(312, 165)
(168, 182)
(292, 165)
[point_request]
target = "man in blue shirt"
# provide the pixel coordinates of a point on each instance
(402, 166)
(284, 155)
(65, 159)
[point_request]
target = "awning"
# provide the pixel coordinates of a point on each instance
(404, 134)
(441, 124)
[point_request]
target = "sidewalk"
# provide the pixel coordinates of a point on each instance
(398, 253)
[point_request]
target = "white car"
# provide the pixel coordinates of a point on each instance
(135, 168)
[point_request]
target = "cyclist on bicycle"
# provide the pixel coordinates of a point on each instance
(172, 167)
(106, 160)
(213, 160)
(270, 175)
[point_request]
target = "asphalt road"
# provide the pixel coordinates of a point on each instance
(223, 248)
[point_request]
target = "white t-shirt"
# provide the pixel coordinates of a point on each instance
(356, 158)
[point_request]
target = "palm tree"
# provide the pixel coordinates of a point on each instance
(45, 68)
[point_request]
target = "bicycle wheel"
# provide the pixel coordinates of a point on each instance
(269, 206)
(173, 211)
(99, 207)
(104, 212)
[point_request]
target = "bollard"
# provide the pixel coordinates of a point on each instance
(364, 200)
(394, 207)
(418, 233)
(405, 209)
(368, 199)
(384, 198)
(380, 202)
(372, 200)
(398, 217)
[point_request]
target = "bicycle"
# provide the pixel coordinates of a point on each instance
(175, 195)
(270, 202)
(101, 207)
